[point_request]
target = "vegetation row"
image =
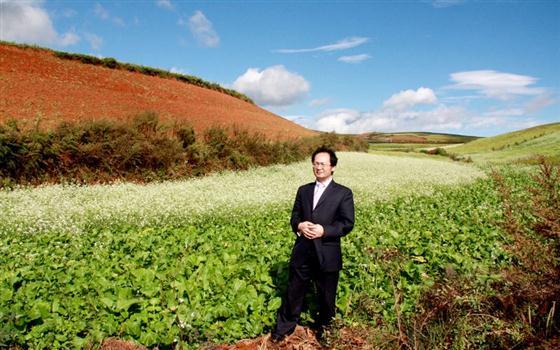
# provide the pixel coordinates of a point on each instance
(112, 63)
(142, 150)
(26, 211)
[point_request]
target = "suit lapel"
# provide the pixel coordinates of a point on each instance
(309, 196)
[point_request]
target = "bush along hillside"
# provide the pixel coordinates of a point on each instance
(112, 63)
(142, 150)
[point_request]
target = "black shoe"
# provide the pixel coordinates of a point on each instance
(277, 338)
(322, 335)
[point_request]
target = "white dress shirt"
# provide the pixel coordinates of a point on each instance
(320, 187)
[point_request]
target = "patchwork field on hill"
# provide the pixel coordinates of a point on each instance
(416, 137)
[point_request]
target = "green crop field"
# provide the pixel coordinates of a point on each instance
(187, 262)
(518, 145)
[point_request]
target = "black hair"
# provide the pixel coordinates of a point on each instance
(324, 149)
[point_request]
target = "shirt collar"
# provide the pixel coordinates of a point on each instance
(323, 184)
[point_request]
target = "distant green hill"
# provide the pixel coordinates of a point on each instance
(523, 145)
(417, 137)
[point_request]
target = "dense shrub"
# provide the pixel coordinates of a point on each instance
(142, 149)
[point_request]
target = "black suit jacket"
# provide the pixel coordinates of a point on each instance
(335, 212)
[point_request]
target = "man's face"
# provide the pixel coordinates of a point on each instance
(322, 168)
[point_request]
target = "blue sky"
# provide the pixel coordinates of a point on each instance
(478, 68)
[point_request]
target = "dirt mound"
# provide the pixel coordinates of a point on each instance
(118, 344)
(35, 84)
(301, 339)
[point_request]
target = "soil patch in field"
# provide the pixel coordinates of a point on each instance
(36, 85)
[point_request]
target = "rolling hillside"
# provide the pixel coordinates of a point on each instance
(518, 145)
(38, 85)
(416, 137)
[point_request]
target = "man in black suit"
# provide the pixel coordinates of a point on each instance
(323, 212)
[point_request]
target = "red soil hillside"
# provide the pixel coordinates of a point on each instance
(35, 83)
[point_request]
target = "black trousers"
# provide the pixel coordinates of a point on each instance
(298, 282)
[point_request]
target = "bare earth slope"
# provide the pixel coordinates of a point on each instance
(36, 84)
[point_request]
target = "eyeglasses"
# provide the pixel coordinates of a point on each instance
(320, 165)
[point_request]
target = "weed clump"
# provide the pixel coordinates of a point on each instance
(520, 309)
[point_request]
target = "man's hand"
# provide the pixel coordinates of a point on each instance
(305, 227)
(311, 230)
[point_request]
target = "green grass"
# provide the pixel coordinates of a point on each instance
(418, 137)
(515, 146)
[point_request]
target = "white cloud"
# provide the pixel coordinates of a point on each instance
(461, 99)
(539, 103)
(442, 118)
(352, 121)
(319, 102)
(509, 112)
(346, 43)
(301, 120)
(354, 59)
(396, 114)
(409, 110)
(502, 122)
(273, 86)
(177, 70)
(166, 4)
(28, 22)
(102, 13)
(497, 85)
(410, 98)
(525, 110)
(95, 41)
(339, 120)
(202, 30)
